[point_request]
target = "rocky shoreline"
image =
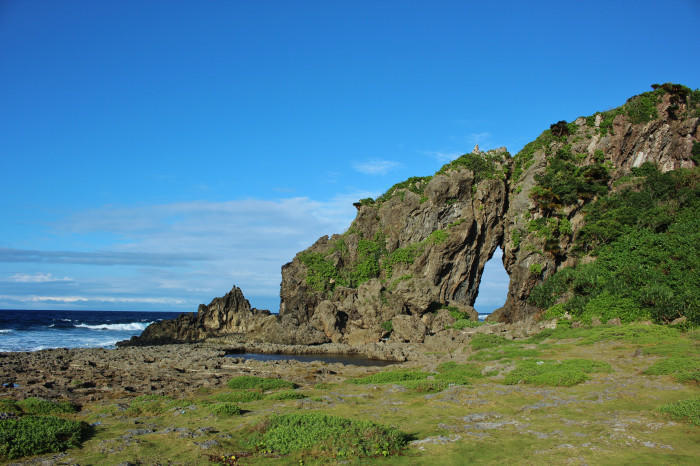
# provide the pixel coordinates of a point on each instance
(92, 374)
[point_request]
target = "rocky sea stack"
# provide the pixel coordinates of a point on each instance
(410, 264)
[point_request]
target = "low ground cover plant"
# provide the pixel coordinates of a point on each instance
(682, 368)
(460, 374)
(484, 340)
(505, 352)
(329, 436)
(150, 405)
(224, 409)
(261, 383)
(33, 435)
(40, 406)
(686, 410)
(286, 395)
(239, 396)
(427, 386)
(554, 373)
(400, 375)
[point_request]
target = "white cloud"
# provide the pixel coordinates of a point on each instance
(376, 167)
(37, 278)
(443, 157)
(479, 138)
(85, 299)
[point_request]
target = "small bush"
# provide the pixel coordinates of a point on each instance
(396, 376)
(461, 324)
(41, 406)
(553, 373)
(682, 368)
(388, 326)
(225, 409)
(286, 395)
(241, 396)
(33, 435)
(261, 383)
(329, 435)
(688, 410)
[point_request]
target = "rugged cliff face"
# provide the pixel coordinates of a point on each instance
(411, 262)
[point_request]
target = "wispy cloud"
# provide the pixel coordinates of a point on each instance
(442, 156)
(37, 278)
(376, 167)
(479, 138)
(91, 258)
(88, 299)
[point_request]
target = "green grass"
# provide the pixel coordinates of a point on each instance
(506, 352)
(240, 396)
(396, 376)
(153, 405)
(483, 340)
(329, 436)
(286, 395)
(682, 368)
(224, 409)
(426, 386)
(41, 406)
(9, 406)
(553, 373)
(460, 374)
(261, 383)
(685, 410)
(33, 435)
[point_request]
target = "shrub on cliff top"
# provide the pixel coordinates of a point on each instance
(33, 435)
(328, 435)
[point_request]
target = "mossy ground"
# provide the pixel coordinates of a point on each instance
(462, 412)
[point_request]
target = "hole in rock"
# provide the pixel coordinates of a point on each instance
(493, 288)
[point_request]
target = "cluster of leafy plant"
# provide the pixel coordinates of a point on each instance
(33, 435)
(554, 373)
(487, 340)
(462, 319)
(688, 410)
(682, 368)
(646, 239)
(396, 376)
(457, 374)
(286, 395)
(225, 409)
(504, 352)
(260, 383)
(34, 405)
(239, 396)
(329, 436)
(151, 405)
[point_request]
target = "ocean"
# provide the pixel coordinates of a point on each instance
(33, 330)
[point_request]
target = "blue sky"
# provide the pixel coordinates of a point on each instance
(153, 154)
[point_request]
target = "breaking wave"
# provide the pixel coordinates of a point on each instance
(125, 327)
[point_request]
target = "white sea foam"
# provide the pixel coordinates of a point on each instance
(483, 316)
(67, 320)
(5, 330)
(125, 327)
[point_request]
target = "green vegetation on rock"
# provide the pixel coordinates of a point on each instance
(225, 408)
(646, 239)
(395, 376)
(33, 435)
(685, 410)
(554, 373)
(331, 436)
(41, 406)
(261, 383)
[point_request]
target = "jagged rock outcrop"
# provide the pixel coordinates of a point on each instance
(411, 261)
